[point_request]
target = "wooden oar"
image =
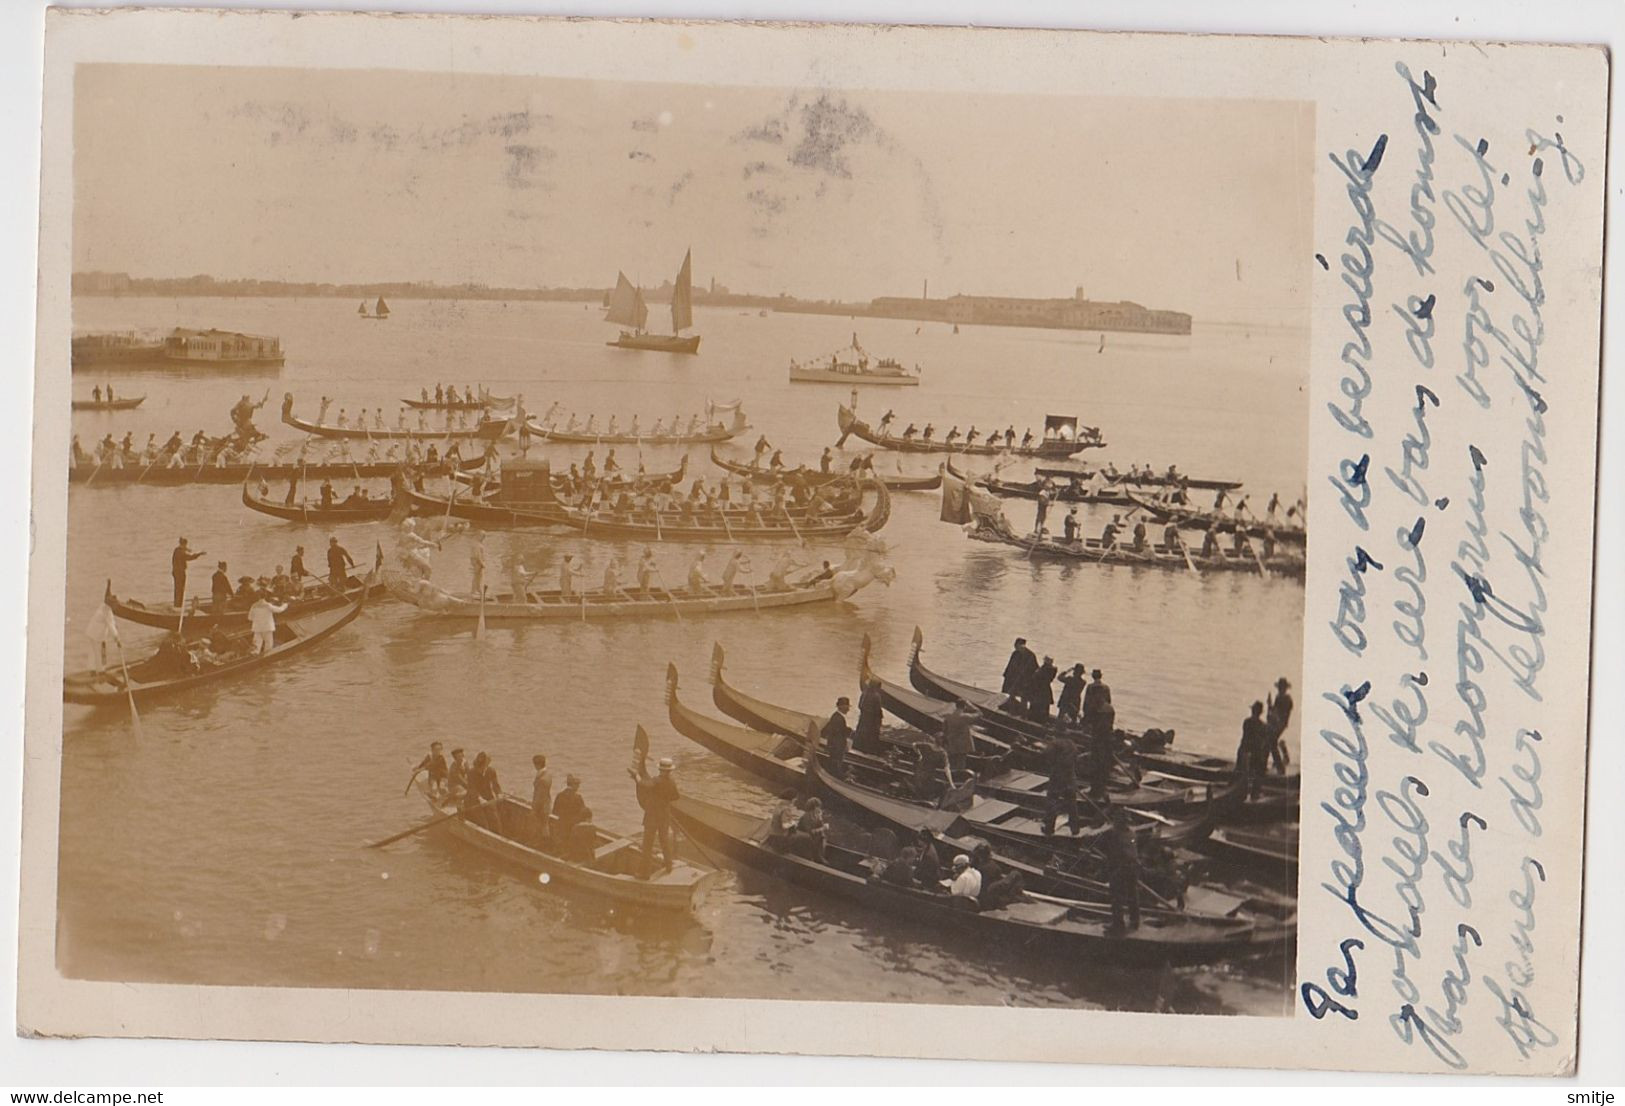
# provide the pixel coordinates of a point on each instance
(416, 772)
(479, 627)
(135, 716)
(430, 824)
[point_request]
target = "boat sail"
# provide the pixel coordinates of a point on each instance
(628, 309)
(382, 310)
(626, 306)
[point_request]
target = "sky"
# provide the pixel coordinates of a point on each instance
(354, 176)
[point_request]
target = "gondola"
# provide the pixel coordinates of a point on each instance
(1068, 929)
(1181, 558)
(1110, 476)
(488, 429)
(852, 426)
(1268, 854)
(613, 873)
(1205, 518)
(534, 504)
(1111, 493)
(894, 482)
(595, 604)
(120, 404)
(1006, 804)
(1174, 764)
(442, 405)
(339, 513)
(201, 614)
(623, 480)
(712, 434)
(156, 676)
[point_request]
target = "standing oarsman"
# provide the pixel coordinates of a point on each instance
(435, 764)
(1018, 670)
(1123, 873)
(1061, 790)
(834, 736)
(956, 738)
(476, 564)
(656, 796)
(866, 737)
(296, 567)
(1252, 753)
(456, 773)
(178, 560)
(1279, 713)
(262, 620)
(541, 798)
(338, 560)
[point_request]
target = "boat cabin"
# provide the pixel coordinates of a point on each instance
(525, 482)
(1060, 428)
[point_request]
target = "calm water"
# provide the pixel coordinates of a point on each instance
(225, 846)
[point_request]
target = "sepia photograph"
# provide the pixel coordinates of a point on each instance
(590, 536)
(722, 537)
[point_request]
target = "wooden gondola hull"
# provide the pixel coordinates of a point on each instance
(897, 483)
(851, 425)
(595, 605)
(611, 875)
(200, 614)
(161, 475)
(308, 515)
(1091, 551)
(1067, 930)
(1205, 519)
(108, 404)
(488, 430)
(799, 375)
(105, 687)
(576, 437)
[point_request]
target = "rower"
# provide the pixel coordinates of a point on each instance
(697, 583)
(483, 788)
(956, 735)
(909, 431)
(1027, 439)
(633, 429)
(866, 736)
(1139, 535)
(1279, 714)
(571, 812)
(953, 436)
(1070, 526)
(971, 435)
(1123, 873)
(612, 579)
(826, 461)
(825, 573)
(730, 571)
(326, 495)
(655, 796)
(541, 798)
(96, 394)
(1108, 535)
(178, 560)
(1009, 437)
(338, 559)
(1171, 538)
(648, 569)
(929, 430)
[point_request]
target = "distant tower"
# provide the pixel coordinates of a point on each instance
(1077, 293)
(925, 290)
(713, 286)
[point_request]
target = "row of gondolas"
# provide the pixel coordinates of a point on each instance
(1213, 872)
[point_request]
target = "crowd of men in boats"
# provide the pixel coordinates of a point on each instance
(645, 582)
(559, 824)
(1138, 539)
(1007, 437)
(447, 395)
(285, 584)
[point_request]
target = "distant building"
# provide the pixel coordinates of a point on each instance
(1075, 313)
(94, 283)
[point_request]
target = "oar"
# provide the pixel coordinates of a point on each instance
(479, 627)
(675, 609)
(135, 717)
(416, 772)
(430, 824)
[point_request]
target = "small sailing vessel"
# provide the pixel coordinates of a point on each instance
(627, 309)
(380, 312)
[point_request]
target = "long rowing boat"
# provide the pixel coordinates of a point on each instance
(202, 614)
(339, 513)
(536, 505)
(852, 426)
(1066, 928)
(1107, 493)
(1178, 558)
(714, 433)
(121, 404)
(488, 429)
(614, 870)
(894, 482)
(1206, 518)
(160, 475)
(172, 670)
(627, 603)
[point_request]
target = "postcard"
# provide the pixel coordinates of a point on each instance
(724, 536)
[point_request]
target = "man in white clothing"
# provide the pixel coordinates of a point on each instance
(262, 618)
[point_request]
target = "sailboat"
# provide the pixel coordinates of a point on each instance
(627, 309)
(381, 312)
